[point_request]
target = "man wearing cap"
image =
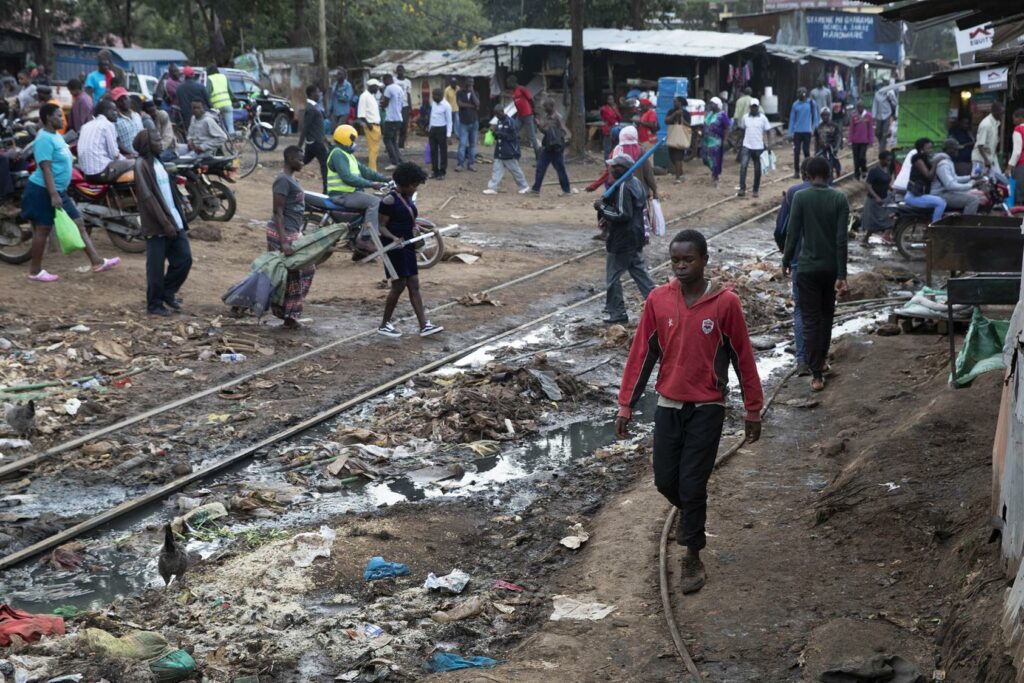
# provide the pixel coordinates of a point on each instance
(647, 125)
(956, 190)
(622, 214)
(188, 92)
(755, 126)
(368, 113)
(803, 119)
(128, 123)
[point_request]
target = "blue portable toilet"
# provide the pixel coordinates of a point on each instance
(669, 88)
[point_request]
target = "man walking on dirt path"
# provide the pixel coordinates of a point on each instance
(781, 220)
(818, 222)
(506, 153)
(622, 216)
(695, 328)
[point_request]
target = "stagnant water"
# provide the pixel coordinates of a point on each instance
(121, 558)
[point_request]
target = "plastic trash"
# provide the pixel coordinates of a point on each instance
(71, 406)
(232, 357)
(372, 630)
(454, 582)
(578, 537)
(15, 443)
(199, 516)
(377, 568)
(27, 626)
(502, 583)
(449, 661)
(80, 328)
(570, 608)
(464, 610)
(311, 545)
(168, 663)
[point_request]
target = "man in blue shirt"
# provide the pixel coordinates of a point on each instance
(339, 102)
(98, 81)
(803, 119)
(393, 102)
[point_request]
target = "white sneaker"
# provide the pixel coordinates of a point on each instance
(490, 191)
(429, 329)
(389, 330)
(525, 190)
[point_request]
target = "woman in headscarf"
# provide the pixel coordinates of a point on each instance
(716, 126)
(629, 145)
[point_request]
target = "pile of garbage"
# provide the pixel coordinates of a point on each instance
(761, 288)
(497, 403)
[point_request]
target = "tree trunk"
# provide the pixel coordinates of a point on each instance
(192, 31)
(636, 14)
(126, 36)
(299, 33)
(41, 17)
(577, 119)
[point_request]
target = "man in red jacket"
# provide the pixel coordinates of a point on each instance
(695, 328)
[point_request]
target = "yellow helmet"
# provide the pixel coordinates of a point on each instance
(345, 135)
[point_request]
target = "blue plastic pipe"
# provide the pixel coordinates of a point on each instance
(646, 155)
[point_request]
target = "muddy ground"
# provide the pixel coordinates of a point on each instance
(856, 526)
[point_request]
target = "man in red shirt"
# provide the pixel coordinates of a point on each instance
(523, 99)
(648, 124)
(611, 116)
(695, 328)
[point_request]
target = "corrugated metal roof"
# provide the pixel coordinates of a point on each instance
(677, 43)
(424, 63)
(145, 54)
(847, 58)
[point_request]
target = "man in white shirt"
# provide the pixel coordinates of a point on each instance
(98, 155)
(440, 133)
(986, 143)
(406, 86)
(368, 113)
(755, 127)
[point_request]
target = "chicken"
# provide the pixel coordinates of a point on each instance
(173, 560)
(22, 419)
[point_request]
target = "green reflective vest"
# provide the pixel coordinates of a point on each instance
(335, 185)
(220, 95)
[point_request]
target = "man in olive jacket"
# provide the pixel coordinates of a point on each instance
(162, 212)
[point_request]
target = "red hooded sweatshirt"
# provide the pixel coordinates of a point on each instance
(695, 346)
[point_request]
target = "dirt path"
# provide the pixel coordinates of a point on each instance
(854, 528)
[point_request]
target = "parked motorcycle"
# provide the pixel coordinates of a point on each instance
(113, 207)
(321, 212)
(252, 127)
(209, 199)
(911, 224)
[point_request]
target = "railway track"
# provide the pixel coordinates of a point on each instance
(242, 454)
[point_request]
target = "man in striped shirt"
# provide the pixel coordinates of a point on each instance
(128, 123)
(98, 155)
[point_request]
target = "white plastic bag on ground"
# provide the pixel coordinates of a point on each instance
(453, 582)
(570, 608)
(311, 545)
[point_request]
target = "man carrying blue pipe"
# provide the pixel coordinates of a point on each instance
(621, 210)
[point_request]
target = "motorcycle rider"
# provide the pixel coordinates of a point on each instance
(347, 177)
(956, 190)
(205, 136)
(98, 155)
(220, 97)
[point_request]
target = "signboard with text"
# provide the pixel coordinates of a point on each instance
(974, 38)
(993, 78)
(779, 5)
(851, 31)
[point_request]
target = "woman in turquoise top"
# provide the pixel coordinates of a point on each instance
(46, 191)
(716, 125)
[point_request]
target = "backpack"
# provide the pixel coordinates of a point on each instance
(554, 138)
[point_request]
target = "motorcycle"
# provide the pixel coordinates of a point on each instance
(113, 207)
(911, 223)
(260, 132)
(211, 200)
(321, 212)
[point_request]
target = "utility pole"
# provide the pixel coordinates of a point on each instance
(323, 45)
(577, 116)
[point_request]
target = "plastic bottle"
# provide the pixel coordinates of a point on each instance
(232, 357)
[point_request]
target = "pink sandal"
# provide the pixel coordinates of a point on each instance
(107, 264)
(43, 276)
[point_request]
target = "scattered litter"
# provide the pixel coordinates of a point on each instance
(470, 607)
(502, 583)
(449, 661)
(27, 626)
(167, 662)
(71, 406)
(112, 350)
(15, 443)
(232, 357)
(889, 668)
(454, 582)
(479, 299)
(468, 259)
(482, 448)
(5, 344)
(578, 537)
(548, 384)
(377, 568)
(67, 611)
(890, 486)
(68, 556)
(570, 608)
(80, 328)
(311, 545)
(196, 518)
(372, 630)
(503, 608)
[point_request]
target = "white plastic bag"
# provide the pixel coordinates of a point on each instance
(768, 161)
(657, 217)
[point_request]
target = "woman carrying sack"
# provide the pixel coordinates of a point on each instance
(46, 194)
(679, 135)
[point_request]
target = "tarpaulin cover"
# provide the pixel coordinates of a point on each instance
(983, 348)
(449, 661)
(27, 626)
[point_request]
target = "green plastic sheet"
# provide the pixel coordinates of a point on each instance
(982, 350)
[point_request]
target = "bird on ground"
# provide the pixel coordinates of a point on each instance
(173, 559)
(21, 418)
